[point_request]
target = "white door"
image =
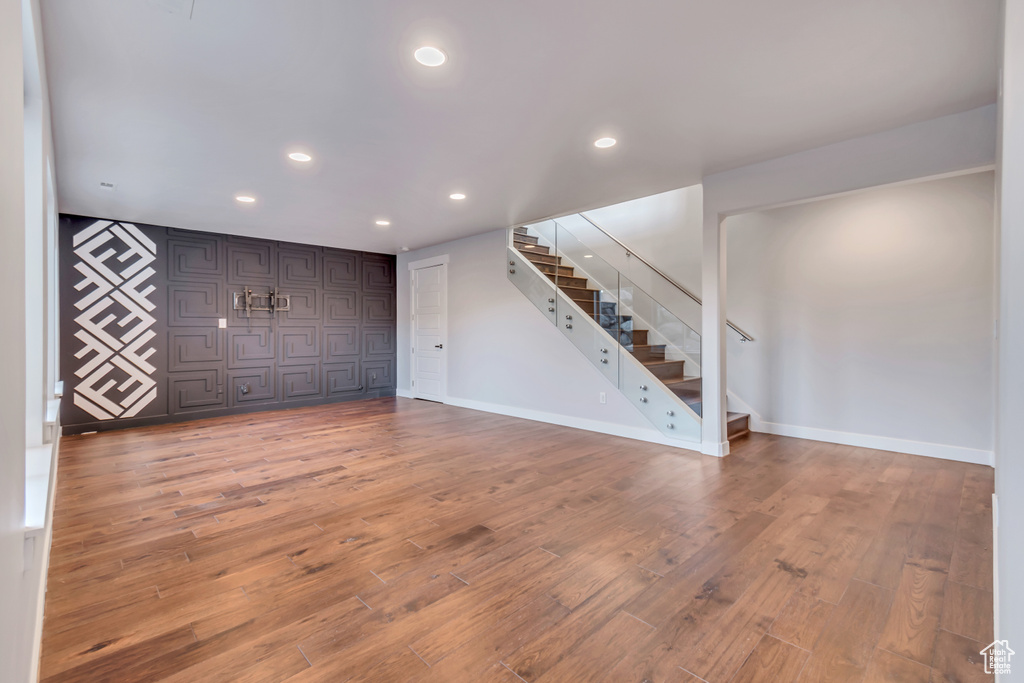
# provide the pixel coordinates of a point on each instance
(429, 320)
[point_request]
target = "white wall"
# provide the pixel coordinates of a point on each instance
(503, 355)
(1010, 397)
(873, 314)
(27, 337)
(15, 625)
(40, 232)
(651, 224)
(949, 144)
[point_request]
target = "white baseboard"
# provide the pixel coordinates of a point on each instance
(757, 424)
(995, 571)
(41, 539)
(715, 448)
(881, 443)
(640, 434)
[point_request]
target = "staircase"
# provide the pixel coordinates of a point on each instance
(670, 373)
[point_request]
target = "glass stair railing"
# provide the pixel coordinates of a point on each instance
(640, 346)
(624, 315)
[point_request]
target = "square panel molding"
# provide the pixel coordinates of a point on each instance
(171, 288)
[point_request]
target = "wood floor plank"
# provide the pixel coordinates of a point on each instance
(591, 659)
(772, 661)
(480, 654)
(724, 647)
(882, 564)
(886, 667)
(913, 622)
(540, 654)
(958, 660)
(402, 540)
(972, 552)
(967, 611)
(844, 649)
(802, 620)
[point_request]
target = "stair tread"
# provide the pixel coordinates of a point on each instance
(732, 417)
(661, 361)
(684, 380)
(562, 278)
(580, 289)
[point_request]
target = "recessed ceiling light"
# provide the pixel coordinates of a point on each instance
(430, 56)
(245, 199)
(300, 156)
(405, 248)
(457, 195)
(383, 223)
(604, 143)
(588, 256)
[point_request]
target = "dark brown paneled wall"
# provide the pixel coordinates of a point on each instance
(141, 308)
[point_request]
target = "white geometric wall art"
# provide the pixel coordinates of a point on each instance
(115, 323)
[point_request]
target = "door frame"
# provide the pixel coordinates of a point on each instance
(440, 260)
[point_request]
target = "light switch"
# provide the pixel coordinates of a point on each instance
(222, 323)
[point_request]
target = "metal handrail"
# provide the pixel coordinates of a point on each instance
(629, 252)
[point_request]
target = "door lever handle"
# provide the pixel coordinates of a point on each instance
(438, 346)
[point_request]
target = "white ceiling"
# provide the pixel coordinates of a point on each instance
(183, 113)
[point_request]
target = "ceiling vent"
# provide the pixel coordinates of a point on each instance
(107, 186)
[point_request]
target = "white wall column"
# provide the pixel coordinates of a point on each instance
(16, 626)
(1010, 391)
(714, 439)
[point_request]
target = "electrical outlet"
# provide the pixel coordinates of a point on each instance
(602, 397)
(244, 388)
(222, 323)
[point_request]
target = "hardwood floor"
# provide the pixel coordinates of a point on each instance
(398, 540)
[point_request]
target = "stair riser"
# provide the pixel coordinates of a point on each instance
(564, 281)
(581, 293)
(689, 399)
(667, 371)
(527, 248)
(640, 337)
(688, 392)
(649, 353)
(613, 324)
(547, 269)
(739, 426)
(542, 258)
(598, 307)
(521, 231)
(525, 239)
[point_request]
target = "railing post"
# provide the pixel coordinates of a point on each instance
(714, 434)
